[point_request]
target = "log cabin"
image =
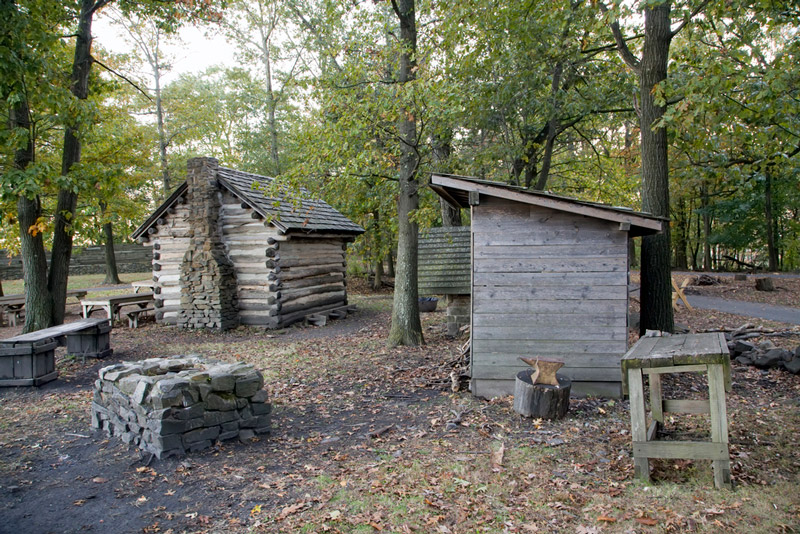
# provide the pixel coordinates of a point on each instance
(226, 253)
(549, 279)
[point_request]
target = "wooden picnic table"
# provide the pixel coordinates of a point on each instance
(113, 303)
(142, 285)
(11, 306)
(652, 357)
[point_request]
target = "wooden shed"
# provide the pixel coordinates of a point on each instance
(225, 253)
(549, 279)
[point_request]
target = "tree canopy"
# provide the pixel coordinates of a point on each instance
(358, 101)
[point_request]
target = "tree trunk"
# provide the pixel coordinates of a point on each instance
(772, 249)
(272, 103)
(682, 239)
(390, 264)
(67, 199)
(406, 326)
(112, 277)
(162, 135)
(706, 229)
(656, 290)
(377, 281)
(38, 303)
(442, 150)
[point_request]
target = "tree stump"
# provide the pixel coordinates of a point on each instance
(541, 400)
(764, 284)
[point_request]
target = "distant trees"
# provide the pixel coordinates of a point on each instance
(357, 102)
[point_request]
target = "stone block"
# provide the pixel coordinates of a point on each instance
(201, 434)
(261, 408)
(260, 396)
(166, 427)
(213, 418)
(224, 436)
(247, 386)
(221, 402)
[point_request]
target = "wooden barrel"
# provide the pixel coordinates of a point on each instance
(541, 400)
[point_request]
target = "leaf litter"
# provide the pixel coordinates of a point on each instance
(369, 439)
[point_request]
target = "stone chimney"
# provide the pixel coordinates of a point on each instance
(208, 280)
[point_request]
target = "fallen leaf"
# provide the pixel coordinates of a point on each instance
(79, 502)
(99, 480)
(607, 519)
(497, 456)
(646, 521)
(289, 510)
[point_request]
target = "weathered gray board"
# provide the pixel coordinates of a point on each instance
(29, 359)
(551, 284)
(444, 261)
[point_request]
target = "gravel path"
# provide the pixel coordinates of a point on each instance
(781, 314)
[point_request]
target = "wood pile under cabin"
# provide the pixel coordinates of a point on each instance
(225, 253)
(549, 280)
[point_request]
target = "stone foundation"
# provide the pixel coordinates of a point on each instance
(458, 308)
(171, 406)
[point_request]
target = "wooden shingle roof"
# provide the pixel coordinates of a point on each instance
(304, 216)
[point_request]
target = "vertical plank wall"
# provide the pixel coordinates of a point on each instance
(550, 284)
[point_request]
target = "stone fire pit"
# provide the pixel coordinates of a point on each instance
(170, 406)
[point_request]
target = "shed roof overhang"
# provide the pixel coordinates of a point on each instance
(457, 190)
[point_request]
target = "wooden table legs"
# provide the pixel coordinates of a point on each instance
(645, 442)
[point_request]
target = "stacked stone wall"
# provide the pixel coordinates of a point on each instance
(171, 406)
(207, 276)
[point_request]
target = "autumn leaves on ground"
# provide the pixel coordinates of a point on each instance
(369, 439)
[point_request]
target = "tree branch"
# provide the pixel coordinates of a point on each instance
(112, 71)
(692, 15)
(622, 46)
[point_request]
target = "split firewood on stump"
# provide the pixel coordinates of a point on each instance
(764, 284)
(539, 392)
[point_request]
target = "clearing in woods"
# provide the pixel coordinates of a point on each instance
(370, 439)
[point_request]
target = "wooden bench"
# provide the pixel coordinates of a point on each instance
(133, 316)
(143, 285)
(112, 304)
(29, 359)
(12, 307)
(654, 356)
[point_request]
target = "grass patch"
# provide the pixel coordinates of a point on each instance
(81, 281)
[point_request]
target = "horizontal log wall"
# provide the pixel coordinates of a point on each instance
(311, 276)
(251, 244)
(170, 242)
(549, 284)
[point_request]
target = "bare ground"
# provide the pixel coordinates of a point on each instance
(370, 439)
